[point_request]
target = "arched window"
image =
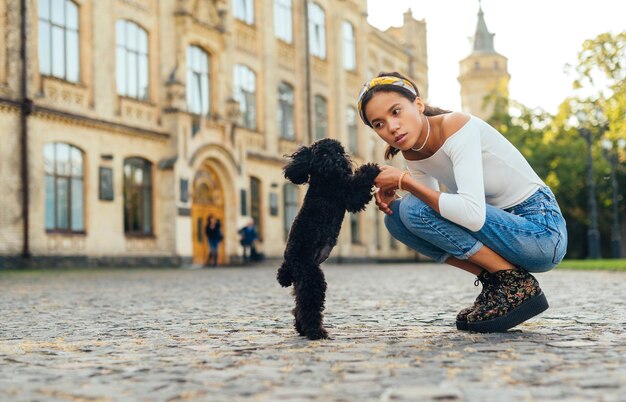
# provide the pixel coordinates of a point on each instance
(349, 46)
(321, 117)
(131, 60)
(290, 203)
(245, 93)
(58, 39)
(255, 205)
(286, 111)
(63, 166)
(198, 84)
(283, 20)
(353, 130)
(243, 10)
(137, 196)
(317, 30)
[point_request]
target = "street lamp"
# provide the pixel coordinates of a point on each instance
(593, 235)
(612, 149)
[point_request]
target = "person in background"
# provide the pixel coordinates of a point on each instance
(213, 231)
(248, 236)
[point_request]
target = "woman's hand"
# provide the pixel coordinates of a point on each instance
(387, 179)
(384, 199)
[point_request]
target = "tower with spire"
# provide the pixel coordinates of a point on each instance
(484, 75)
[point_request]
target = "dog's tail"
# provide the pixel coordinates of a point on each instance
(284, 275)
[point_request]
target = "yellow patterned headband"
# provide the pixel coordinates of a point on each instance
(387, 80)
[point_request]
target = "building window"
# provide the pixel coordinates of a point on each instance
(290, 201)
(321, 117)
(63, 166)
(198, 101)
(349, 47)
(317, 30)
(244, 10)
(132, 60)
(255, 205)
(353, 130)
(245, 93)
(283, 20)
(58, 39)
(137, 196)
(355, 229)
(285, 111)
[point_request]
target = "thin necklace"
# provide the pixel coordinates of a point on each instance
(426, 140)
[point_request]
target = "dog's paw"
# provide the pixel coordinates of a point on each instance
(317, 334)
(284, 277)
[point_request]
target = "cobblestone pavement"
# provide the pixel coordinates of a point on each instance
(226, 335)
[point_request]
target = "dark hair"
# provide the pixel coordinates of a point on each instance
(390, 152)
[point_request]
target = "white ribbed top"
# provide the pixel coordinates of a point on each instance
(478, 166)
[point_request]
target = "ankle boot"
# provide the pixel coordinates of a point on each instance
(516, 297)
(483, 297)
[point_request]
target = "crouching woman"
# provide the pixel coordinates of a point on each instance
(497, 219)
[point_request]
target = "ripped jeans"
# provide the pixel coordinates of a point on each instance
(530, 235)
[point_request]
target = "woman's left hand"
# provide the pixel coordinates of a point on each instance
(388, 177)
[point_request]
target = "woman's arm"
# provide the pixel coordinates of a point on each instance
(388, 181)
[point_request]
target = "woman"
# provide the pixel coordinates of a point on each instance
(497, 218)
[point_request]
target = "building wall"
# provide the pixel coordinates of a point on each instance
(483, 76)
(108, 128)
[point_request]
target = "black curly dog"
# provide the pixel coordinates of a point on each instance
(333, 189)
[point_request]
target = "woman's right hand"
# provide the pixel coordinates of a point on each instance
(383, 199)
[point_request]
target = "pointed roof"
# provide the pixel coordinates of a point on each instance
(483, 39)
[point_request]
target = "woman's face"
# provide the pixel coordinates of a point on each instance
(395, 119)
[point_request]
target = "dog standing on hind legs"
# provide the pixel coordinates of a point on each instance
(333, 189)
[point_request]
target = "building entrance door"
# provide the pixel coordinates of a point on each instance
(208, 199)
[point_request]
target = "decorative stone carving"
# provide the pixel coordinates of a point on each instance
(137, 112)
(246, 39)
(65, 94)
(176, 92)
(287, 147)
(205, 12)
(255, 141)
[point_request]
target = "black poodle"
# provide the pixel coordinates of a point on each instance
(333, 189)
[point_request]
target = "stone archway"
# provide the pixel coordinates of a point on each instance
(207, 199)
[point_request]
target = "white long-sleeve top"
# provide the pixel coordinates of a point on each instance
(478, 166)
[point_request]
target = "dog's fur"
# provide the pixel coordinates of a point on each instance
(333, 189)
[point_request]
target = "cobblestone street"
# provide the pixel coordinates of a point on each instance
(226, 335)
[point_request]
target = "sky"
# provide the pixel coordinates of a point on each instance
(539, 37)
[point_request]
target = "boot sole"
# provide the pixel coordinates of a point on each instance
(524, 312)
(461, 325)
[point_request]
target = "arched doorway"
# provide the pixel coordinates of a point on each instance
(208, 199)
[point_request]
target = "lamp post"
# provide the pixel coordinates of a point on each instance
(593, 235)
(612, 148)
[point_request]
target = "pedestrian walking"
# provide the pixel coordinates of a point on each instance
(497, 219)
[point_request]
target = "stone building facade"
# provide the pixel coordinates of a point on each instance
(136, 119)
(483, 74)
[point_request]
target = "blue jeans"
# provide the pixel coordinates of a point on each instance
(530, 235)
